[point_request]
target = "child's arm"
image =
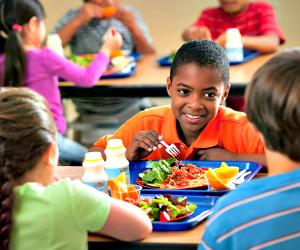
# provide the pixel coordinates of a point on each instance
(263, 43)
(85, 77)
(219, 154)
(196, 33)
(129, 20)
(120, 216)
(87, 12)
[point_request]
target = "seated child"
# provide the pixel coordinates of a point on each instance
(196, 122)
(25, 62)
(255, 20)
(83, 28)
(268, 205)
(37, 213)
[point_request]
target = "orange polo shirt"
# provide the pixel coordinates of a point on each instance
(230, 130)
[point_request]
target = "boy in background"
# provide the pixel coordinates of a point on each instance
(256, 22)
(83, 30)
(196, 122)
(268, 205)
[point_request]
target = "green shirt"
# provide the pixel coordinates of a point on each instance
(57, 216)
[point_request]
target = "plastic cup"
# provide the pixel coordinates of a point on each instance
(132, 193)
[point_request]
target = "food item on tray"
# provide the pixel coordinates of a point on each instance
(165, 208)
(171, 56)
(173, 174)
(220, 178)
(118, 61)
(109, 12)
(83, 60)
(118, 189)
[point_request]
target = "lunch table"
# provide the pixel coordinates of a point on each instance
(188, 239)
(150, 78)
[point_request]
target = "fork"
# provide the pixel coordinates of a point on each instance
(241, 178)
(170, 149)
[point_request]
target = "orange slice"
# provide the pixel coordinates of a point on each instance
(226, 173)
(117, 188)
(132, 192)
(116, 53)
(215, 182)
(109, 11)
(122, 177)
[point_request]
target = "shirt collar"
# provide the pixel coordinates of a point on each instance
(208, 138)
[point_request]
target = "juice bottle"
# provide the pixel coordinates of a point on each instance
(94, 173)
(116, 161)
(234, 45)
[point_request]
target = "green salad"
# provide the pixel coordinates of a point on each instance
(158, 173)
(166, 207)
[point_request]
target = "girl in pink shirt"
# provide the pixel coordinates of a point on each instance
(25, 62)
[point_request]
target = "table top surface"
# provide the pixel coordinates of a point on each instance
(150, 73)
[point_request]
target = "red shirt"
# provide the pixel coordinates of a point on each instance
(230, 130)
(257, 19)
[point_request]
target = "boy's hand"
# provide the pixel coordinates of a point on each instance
(126, 17)
(89, 11)
(215, 154)
(221, 39)
(143, 144)
(198, 33)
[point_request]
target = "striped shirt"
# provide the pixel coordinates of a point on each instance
(262, 214)
(257, 19)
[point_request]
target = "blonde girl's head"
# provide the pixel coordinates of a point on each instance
(22, 23)
(27, 132)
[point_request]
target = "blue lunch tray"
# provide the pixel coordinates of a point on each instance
(137, 167)
(248, 55)
(122, 74)
(204, 205)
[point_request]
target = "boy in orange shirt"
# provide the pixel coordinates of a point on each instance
(196, 122)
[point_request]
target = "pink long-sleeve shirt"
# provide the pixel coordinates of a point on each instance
(44, 67)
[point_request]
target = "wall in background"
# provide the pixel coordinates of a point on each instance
(167, 18)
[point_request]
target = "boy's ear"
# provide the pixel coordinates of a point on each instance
(169, 86)
(225, 93)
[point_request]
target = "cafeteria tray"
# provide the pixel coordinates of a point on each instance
(137, 167)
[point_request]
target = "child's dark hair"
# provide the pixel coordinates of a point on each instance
(273, 103)
(203, 53)
(26, 131)
(16, 12)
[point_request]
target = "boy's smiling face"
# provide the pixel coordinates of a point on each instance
(196, 93)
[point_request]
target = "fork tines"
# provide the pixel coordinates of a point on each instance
(170, 149)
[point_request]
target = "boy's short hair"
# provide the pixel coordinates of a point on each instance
(203, 53)
(273, 103)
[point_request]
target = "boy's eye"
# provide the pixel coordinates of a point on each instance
(183, 91)
(210, 94)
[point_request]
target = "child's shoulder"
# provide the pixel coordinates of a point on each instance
(229, 115)
(260, 6)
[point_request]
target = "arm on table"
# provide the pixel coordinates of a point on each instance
(122, 215)
(129, 20)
